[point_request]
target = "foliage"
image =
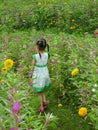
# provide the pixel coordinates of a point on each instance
(78, 16)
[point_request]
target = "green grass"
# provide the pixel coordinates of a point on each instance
(68, 118)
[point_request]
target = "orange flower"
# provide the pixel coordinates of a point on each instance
(81, 44)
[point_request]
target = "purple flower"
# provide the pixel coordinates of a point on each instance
(17, 120)
(30, 83)
(73, 64)
(9, 99)
(15, 89)
(24, 55)
(30, 74)
(14, 128)
(80, 92)
(16, 106)
(89, 94)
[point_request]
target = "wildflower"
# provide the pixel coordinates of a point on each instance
(8, 63)
(17, 120)
(95, 85)
(4, 70)
(82, 111)
(30, 83)
(75, 72)
(30, 74)
(72, 27)
(39, 3)
(14, 128)
(24, 55)
(93, 90)
(16, 107)
(73, 20)
(15, 89)
(81, 44)
(9, 99)
(65, 3)
(59, 105)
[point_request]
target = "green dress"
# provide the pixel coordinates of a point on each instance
(41, 79)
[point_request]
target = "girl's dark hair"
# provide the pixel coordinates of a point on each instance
(42, 44)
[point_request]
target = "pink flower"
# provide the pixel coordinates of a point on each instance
(9, 99)
(15, 89)
(16, 107)
(14, 128)
(30, 74)
(30, 83)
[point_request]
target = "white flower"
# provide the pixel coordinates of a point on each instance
(95, 85)
(93, 90)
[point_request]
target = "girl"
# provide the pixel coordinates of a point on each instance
(41, 79)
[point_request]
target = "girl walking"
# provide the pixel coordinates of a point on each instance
(41, 79)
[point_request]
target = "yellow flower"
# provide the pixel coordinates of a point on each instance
(4, 70)
(39, 3)
(75, 72)
(82, 111)
(72, 27)
(73, 20)
(65, 3)
(8, 63)
(59, 105)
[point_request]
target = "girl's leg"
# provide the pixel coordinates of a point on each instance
(41, 100)
(45, 103)
(43, 97)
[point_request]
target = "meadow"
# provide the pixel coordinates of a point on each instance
(73, 65)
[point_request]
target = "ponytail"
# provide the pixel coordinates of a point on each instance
(48, 50)
(39, 55)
